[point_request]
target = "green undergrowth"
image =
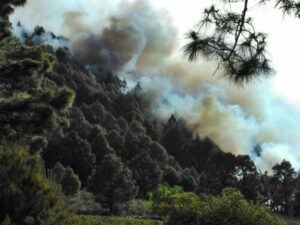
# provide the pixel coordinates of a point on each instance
(294, 221)
(99, 220)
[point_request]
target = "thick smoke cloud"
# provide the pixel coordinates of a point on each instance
(140, 44)
(135, 37)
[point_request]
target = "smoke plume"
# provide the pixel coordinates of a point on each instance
(141, 44)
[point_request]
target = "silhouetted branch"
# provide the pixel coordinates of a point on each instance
(240, 50)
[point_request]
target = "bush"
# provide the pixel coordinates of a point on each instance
(163, 192)
(140, 208)
(84, 203)
(97, 220)
(161, 196)
(228, 209)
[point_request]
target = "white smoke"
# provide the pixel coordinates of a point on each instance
(142, 45)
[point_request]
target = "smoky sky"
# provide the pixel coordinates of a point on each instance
(141, 44)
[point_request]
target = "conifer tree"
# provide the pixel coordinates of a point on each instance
(112, 183)
(282, 188)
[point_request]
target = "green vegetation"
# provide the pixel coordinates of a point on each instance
(30, 103)
(163, 192)
(97, 220)
(26, 195)
(292, 221)
(227, 209)
(140, 208)
(112, 184)
(161, 197)
(84, 203)
(69, 181)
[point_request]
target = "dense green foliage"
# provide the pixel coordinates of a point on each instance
(30, 103)
(26, 196)
(67, 178)
(96, 220)
(227, 209)
(163, 192)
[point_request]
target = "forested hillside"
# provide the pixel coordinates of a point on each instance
(74, 139)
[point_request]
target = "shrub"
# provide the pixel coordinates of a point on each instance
(97, 220)
(161, 196)
(84, 203)
(140, 208)
(163, 192)
(228, 209)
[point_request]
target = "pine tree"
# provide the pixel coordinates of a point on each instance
(248, 178)
(233, 41)
(112, 183)
(282, 188)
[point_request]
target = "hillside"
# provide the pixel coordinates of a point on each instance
(76, 140)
